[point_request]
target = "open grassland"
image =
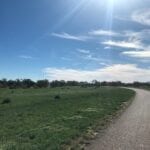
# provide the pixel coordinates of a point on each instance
(46, 119)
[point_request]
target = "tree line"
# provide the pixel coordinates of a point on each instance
(28, 83)
(24, 83)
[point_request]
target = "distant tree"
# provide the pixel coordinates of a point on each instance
(96, 83)
(18, 83)
(42, 83)
(27, 83)
(57, 83)
(62, 83)
(72, 83)
(84, 84)
(137, 84)
(116, 83)
(11, 84)
(3, 83)
(104, 83)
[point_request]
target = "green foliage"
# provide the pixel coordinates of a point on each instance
(6, 101)
(57, 97)
(34, 121)
(42, 83)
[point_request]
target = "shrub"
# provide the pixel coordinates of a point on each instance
(57, 97)
(31, 137)
(6, 101)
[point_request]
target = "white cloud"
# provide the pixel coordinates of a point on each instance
(91, 57)
(69, 36)
(117, 72)
(138, 54)
(87, 55)
(104, 33)
(104, 64)
(122, 18)
(66, 59)
(136, 44)
(84, 51)
(107, 47)
(25, 57)
(142, 16)
(140, 35)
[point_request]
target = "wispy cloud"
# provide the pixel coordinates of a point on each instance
(142, 16)
(104, 33)
(87, 55)
(139, 35)
(133, 36)
(26, 57)
(107, 47)
(87, 36)
(91, 57)
(122, 18)
(104, 64)
(138, 54)
(66, 59)
(122, 72)
(84, 51)
(130, 40)
(136, 44)
(70, 37)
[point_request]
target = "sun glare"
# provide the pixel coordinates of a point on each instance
(111, 1)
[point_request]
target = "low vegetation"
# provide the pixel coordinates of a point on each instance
(49, 119)
(6, 101)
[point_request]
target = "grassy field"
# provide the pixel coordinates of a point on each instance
(46, 119)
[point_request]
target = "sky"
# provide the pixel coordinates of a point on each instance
(81, 40)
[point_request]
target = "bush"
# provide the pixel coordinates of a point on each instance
(6, 101)
(31, 137)
(57, 97)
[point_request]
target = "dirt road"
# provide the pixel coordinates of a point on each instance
(131, 131)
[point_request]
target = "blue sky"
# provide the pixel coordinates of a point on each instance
(75, 39)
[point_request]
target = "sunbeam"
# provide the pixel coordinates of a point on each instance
(109, 17)
(109, 21)
(80, 5)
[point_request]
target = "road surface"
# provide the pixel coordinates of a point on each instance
(131, 131)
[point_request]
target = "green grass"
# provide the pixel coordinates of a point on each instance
(35, 120)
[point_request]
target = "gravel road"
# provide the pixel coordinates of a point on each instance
(131, 131)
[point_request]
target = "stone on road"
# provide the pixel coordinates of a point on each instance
(131, 131)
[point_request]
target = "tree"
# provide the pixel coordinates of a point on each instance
(57, 83)
(27, 83)
(11, 84)
(72, 83)
(3, 83)
(42, 83)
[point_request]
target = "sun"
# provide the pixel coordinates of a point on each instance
(111, 2)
